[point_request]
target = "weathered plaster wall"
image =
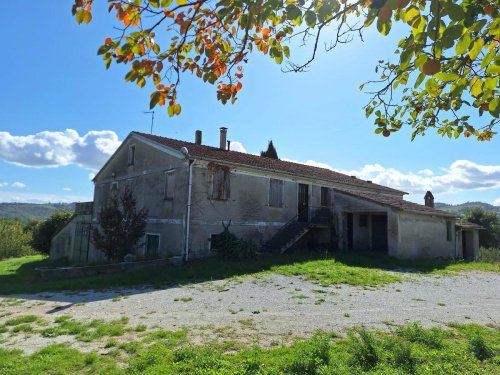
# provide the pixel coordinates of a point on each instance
(424, 236)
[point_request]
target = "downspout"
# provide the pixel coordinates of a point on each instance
(188, 214)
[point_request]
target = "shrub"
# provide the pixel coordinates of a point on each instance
(402, 356)
(489, 254)
(228, 246)
(15, 239)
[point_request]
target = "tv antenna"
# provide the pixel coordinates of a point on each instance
(152, 119)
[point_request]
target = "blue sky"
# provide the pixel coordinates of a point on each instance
(53, 80)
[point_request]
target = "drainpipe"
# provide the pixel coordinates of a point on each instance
(188, 215)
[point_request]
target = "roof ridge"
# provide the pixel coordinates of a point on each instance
(274, 164)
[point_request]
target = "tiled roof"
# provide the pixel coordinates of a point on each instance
(396, 203)
(468, 225)
(263, 163)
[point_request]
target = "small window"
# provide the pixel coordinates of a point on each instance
(131, 155)
(448, 230)
(275, 193)
(220, 184)
(325, 196)
(114, 186)
(152, 245)
(168, 193)
(363, 220)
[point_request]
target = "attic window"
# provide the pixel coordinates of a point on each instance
(131, 155)
(275, 193)
(220, 183)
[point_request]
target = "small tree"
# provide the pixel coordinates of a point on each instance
(121, 226)
(44, 231)
(490, 236)
(270, 152)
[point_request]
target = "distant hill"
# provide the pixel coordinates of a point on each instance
(459, 209)
(28, 211)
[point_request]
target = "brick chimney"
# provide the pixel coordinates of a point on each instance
(429, 199)
(223, 135)
(197, 137)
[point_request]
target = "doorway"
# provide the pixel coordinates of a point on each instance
(379, 233)
(350, 231)
(303, 203)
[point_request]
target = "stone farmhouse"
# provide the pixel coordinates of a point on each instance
(190, 189)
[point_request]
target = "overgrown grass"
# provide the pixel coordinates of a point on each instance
(489, 254)
(17, 274)
(462, 350)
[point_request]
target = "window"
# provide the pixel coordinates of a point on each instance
(363, 220)
(152, 245)
(275, 193)
(325, 196)
(448, 230)
(131, 155)
(220, 183)
(114, 187)
(168, 193)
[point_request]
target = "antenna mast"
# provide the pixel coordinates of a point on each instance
(152, 119)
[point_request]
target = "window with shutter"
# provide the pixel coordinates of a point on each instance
(169, 185)
(220, 184)
(275, 193)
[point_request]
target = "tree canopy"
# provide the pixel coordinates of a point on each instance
(270, 152)
(445, 73)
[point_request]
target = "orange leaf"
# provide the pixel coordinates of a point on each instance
(265, 34)
(107, 40)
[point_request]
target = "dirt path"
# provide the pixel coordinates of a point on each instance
(269, 308)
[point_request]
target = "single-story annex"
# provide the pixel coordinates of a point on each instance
(190, 189)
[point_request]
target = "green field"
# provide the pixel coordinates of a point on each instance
(17, 274)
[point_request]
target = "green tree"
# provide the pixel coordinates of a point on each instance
(490, 236)
(121, 226)
(44, 231)
(270, 152)
(446, 67)
(14, 239)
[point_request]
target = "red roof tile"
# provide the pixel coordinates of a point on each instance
(259, 162)
(396, 203)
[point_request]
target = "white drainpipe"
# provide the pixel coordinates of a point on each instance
(188, 215)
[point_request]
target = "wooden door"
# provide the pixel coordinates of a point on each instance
(379, 233)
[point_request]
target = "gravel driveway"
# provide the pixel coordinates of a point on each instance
(273, 307)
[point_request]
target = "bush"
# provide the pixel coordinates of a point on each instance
(228, 246)
(490, 236)
(44, 231)
(15, 239)
(415, 333)
(489, 254)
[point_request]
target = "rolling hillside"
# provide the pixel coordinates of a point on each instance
(28, 211)
(459, 209)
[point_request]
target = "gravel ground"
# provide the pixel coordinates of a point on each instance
(267, 309)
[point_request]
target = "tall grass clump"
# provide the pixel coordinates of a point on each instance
(489, 254)
(479, 348)
(414, 332)
(364, 350)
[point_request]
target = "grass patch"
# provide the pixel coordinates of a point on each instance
(86, 332)
(21, 319)
(17, 275)
(362, 351)
(183, 299)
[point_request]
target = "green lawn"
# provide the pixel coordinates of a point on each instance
(411, 349)
(17, 274)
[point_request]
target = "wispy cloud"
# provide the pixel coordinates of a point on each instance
(67, 189)
(17, 185)
(54, 149)
(22, 197)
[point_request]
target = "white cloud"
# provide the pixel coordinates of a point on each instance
(91, 176)
(21, 197)
(54, 149)
(496, 202)
(237, 146)
(458, 176)
(2, 184)
(18, 185)
(67, 189)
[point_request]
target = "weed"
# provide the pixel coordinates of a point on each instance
(479, 348)
(415, 333)
(183, 299)
(364, 349)
(300, 296)
(23, 328)
(140, 328)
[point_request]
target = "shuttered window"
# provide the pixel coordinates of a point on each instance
(220, 184)
(131, 155)
(275, 193)
(168, 193)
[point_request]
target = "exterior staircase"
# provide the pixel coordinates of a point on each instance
(290, 233)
